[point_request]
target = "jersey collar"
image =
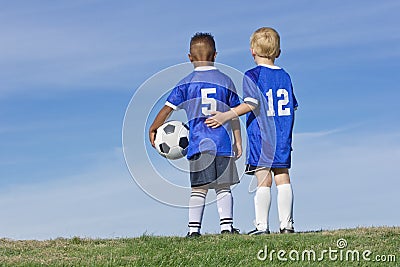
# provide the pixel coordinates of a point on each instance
(270, 66)
(205, 68)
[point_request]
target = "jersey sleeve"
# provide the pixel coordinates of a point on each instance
(175, 98)
(250, 90)
(233, 99)
(295, 103)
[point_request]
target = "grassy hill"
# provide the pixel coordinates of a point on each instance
(377, 246)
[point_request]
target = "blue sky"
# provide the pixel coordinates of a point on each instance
(68, 70)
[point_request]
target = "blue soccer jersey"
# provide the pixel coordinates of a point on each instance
(270, 125)
(205, 90)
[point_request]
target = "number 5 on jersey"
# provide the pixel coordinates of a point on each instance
(210, 102)
(281, 103)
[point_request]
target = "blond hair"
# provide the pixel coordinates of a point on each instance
(265, 42)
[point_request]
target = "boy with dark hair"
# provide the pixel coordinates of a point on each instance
(210, 152)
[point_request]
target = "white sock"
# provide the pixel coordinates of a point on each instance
(262, 204)
(225, 208)
(285, 206)
(196, 208)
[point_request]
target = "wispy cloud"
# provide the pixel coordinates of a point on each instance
(64, 48)
(328, 34)
(318, 134)
(102, 201)
(326, 132)
(344, 25)
(338, 175)
(60, 46)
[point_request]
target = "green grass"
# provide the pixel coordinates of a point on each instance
(208, 250)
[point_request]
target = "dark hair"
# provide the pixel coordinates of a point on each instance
(208, 51)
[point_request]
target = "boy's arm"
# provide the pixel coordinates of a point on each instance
(237, 146)
(161, 117)
(220, 118)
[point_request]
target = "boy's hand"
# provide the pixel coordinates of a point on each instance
(152, 136)
(237, 148)
(217, 120)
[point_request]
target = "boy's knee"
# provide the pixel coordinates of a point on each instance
(265, 183)
(281, 176)
(201, 189)
(223, 187)
(264, 178)
(278, 171)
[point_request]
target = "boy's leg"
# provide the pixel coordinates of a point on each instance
(225, 207)
(196, 208)
(285, 199)
(262, 199)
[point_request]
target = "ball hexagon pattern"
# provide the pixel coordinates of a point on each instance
(172, 139)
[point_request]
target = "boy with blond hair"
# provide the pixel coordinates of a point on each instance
(210, 152)
(269, 103)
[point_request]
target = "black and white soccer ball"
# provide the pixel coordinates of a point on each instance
(172, 139)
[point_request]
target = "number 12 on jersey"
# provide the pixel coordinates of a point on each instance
(282, 111)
